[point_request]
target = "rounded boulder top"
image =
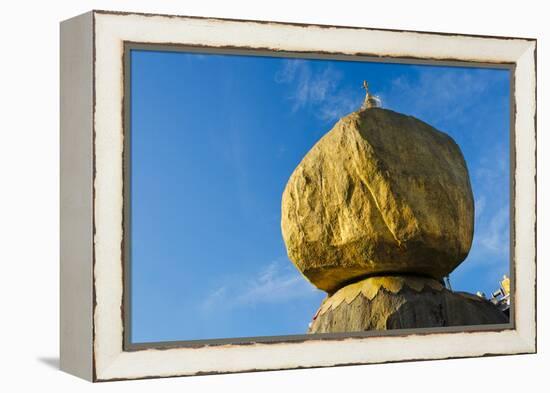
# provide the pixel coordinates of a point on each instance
(380, 193)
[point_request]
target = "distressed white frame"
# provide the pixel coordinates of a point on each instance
(92, 86)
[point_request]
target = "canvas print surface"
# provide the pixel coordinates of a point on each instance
(276, 196)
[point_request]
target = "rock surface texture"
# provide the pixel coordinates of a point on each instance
(381, 193)
(384, 303)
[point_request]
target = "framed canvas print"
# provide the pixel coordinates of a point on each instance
(246, 195)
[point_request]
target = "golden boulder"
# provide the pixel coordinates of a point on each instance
(382, 193)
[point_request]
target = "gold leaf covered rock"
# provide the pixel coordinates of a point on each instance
(381, 193)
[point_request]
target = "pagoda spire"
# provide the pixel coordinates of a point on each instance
(371, 101)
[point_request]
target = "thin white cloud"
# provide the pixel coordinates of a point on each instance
(289, 70)
(439, 95)
(492, 169)
(278, 282)
(490, 181)
(317, 89)
(490, 247)
(215, 298)
(494, 236)
(337, 105)
(480, 206)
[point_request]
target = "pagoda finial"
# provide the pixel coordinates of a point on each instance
(371, 101)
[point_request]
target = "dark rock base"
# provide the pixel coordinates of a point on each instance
(385, 303)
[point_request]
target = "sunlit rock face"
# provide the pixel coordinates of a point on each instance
(381, 193)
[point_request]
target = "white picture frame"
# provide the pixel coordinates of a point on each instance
(92, 195)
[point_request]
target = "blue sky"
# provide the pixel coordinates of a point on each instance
(214, 141)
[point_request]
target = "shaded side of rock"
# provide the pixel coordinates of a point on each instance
(407, 308)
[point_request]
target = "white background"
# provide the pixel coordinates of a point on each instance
(29, 196)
